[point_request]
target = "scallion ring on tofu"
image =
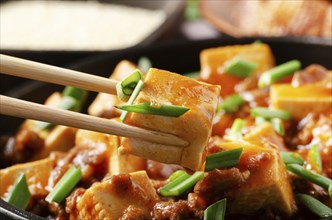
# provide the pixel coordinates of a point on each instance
(269, 113)
(181, 184)
(19, 195)
(239, 67)
(231, 104)
(126, 87)
(314, 205)
(65, 185)
(223, 159)
(152, 108)
(216, 211)
(309, 175)
(279, 72)
(132, 98)
(291, 158)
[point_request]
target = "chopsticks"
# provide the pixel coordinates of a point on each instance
(38, 71)
(24, 109)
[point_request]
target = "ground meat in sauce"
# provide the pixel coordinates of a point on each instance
(312, 74)
(93, 162)
(72, 200)
(121, 183)
(216, 182)
(21, 148)
(134, 213)
(172, 210)
(160, 171)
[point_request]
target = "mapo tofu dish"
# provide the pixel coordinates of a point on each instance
(259, 145)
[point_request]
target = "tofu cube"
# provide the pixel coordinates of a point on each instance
(194, 126)
(37, 174)
(110, 198)
(117, 163)
(302, 100)
(213, 58)
(268, 184)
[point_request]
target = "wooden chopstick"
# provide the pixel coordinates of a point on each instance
(24, 109)
(38, 71)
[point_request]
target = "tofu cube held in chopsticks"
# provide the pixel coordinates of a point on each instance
(194, 126)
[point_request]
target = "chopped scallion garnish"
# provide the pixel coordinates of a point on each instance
(260, 120)
(330, 190)
(278, 126)
(239, 67)
(309, 175)
(314, 158)
(66, 103)
(144, 64)
(291, 158)
(269, 113)
(314, 205)
(231, 104)
(125, 88)
(223, 159)
(65, 185)
(132, 98)
(181, 184)
(79, 94)
(19, 195)
(277, 73)
(72, 99)
(155, 109)
(216, 211)
(236, 130)
(176, 174)
(193, 75)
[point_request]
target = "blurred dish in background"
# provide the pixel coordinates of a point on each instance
(80, 25)
(269, 17)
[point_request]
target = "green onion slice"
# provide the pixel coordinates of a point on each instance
(19, 195)
(125, 88)
(314, 205)
(223, 159)
(330, 190)
(155, 109)
(260, 120)
(236, 130)
(314, 158)
(277, 73)
(193, 75)
(269, 113)
(278, 126)
(144, 64)
(76, 93)
(66, 103)
(65, 185)
(291, 158)
(239, 67)
(309, 175)
(181, 184)
(231, 104)
(132, 98)
(176, 174)
(216, 211)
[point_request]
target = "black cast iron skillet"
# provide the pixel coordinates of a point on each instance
(180, 57)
